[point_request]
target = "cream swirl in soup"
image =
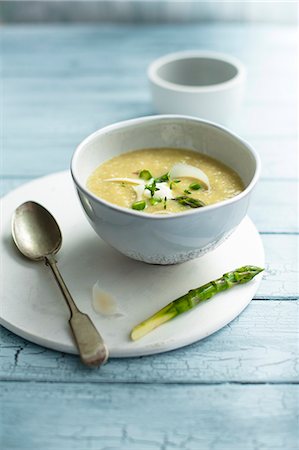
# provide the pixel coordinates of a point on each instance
(164, 180)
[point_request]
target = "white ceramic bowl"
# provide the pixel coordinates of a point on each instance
(165, 239)
(203, 84)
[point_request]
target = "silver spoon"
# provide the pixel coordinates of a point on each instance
(38, 237)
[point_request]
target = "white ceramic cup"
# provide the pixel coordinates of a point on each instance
(207, 85)
(164, 239)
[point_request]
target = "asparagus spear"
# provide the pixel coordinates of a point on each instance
(189, 201)
(194, 297)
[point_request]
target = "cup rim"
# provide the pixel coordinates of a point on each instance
(153, 68)
(143, 215)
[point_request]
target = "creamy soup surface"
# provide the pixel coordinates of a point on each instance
(171, 194)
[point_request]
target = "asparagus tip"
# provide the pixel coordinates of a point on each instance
(238, 276)
(247, 273)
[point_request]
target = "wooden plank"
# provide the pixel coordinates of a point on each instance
(146, 417)
(60, 107)
(279, 156)
(9, 184)
(261, 345)
(271, 203)
(281, 278)
(263, 120)
(62, 120)
(117, 41)
(91, 89)
(274, 206)
(86, 56)
(128, 77)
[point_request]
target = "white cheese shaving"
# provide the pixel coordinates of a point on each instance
(139, 191)
(181, 170)
(164, 191)
(103, 303)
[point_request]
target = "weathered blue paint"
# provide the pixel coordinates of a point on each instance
(149, 417)
(253, 348)
(234, 390)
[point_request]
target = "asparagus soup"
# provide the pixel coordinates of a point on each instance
(164, 180)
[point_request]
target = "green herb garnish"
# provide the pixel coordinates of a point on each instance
(165, 203)
(195, 186)
(189, 201)
(145, 175)
(187, 192)
(152, 188)
(154, 200)
(139, 206)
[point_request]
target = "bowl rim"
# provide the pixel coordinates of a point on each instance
(170, 216)
(152, 71)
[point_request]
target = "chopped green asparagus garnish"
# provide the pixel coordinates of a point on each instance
(195, 186)
(189, 201)
(194, 297)
(154, 200)
(139, 205)
(145, 175)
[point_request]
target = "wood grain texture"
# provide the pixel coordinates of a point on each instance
(261, 345)
(279, 157)
(237, 389)
(66, 82)
(274, 206)
(281, 273)
(147, 417)
(76, 44)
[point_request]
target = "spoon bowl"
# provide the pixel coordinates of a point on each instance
(35, 231)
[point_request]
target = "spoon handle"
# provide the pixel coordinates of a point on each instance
(92, 349)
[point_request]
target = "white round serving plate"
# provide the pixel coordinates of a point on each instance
(33, 308)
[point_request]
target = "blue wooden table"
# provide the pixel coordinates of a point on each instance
(237, 389)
